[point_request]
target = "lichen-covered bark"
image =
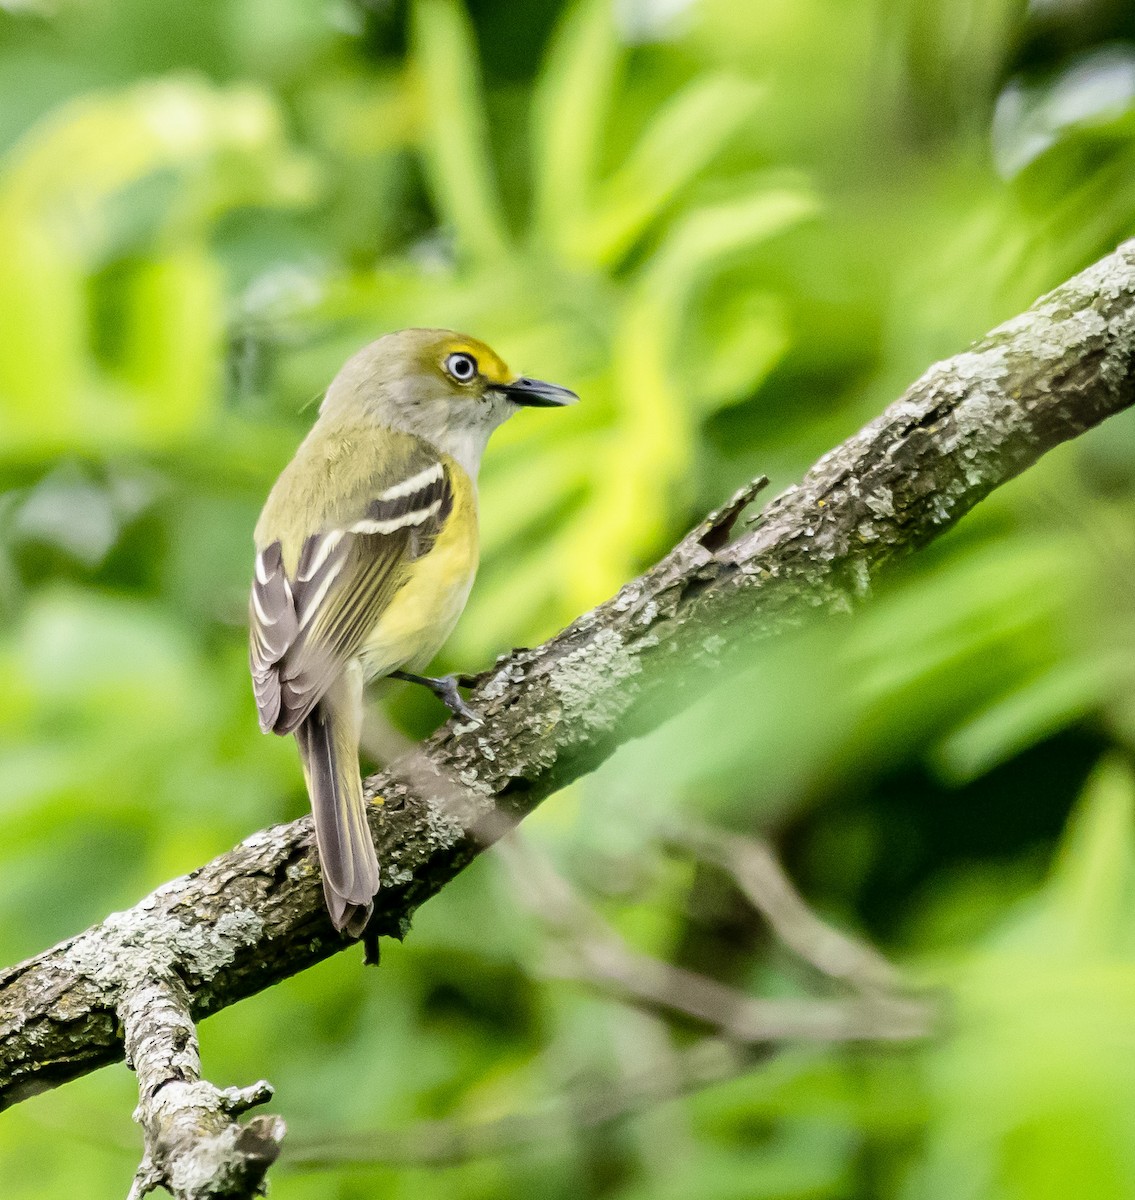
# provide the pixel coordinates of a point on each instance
(254, 915)
(194, 1146)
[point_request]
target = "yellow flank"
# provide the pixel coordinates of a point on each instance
(423, 612)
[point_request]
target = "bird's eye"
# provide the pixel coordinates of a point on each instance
(463, 367)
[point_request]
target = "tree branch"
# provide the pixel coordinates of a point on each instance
(255, 915)
(194, 1147)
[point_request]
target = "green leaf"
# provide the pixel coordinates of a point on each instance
(650, 334)
(701, 241)
(570, 111)
(1038, 708)
(455, 130)
(746, 334)
(110, 297)
(175, 342)
(1090, 888)
(686, 135)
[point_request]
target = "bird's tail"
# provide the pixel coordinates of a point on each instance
(328, 740)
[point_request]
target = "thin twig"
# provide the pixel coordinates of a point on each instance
(579, 1108)
(591, 951)
(757, 872)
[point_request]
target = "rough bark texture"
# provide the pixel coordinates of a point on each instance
(194, 1146)
(254, 915)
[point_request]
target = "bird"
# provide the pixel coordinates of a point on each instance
(366, 550)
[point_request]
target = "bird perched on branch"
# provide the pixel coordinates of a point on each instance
(365, 554)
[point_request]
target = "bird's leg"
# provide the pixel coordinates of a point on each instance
(445, 689)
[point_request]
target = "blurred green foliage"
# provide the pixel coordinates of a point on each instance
(738, 229)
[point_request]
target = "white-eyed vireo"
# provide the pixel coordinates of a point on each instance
(366, 551)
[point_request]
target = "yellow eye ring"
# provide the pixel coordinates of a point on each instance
(461, 366)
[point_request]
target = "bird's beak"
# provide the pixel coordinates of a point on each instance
(534, 393)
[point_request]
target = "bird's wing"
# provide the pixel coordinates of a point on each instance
(305, 626)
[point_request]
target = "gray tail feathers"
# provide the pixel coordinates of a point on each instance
(328, 740)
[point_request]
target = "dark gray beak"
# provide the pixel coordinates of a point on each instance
(534, 393)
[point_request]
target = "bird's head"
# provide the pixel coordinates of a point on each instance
(448, 388)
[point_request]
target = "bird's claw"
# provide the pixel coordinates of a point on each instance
(445, 687)
(448, 694)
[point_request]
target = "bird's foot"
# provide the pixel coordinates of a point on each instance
(444, 687)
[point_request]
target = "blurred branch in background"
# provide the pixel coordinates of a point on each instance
(254, 916)
(581, 1106)
(581, 946)
(586, 948)
(757, 872)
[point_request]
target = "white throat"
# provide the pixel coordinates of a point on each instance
(466, 446)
